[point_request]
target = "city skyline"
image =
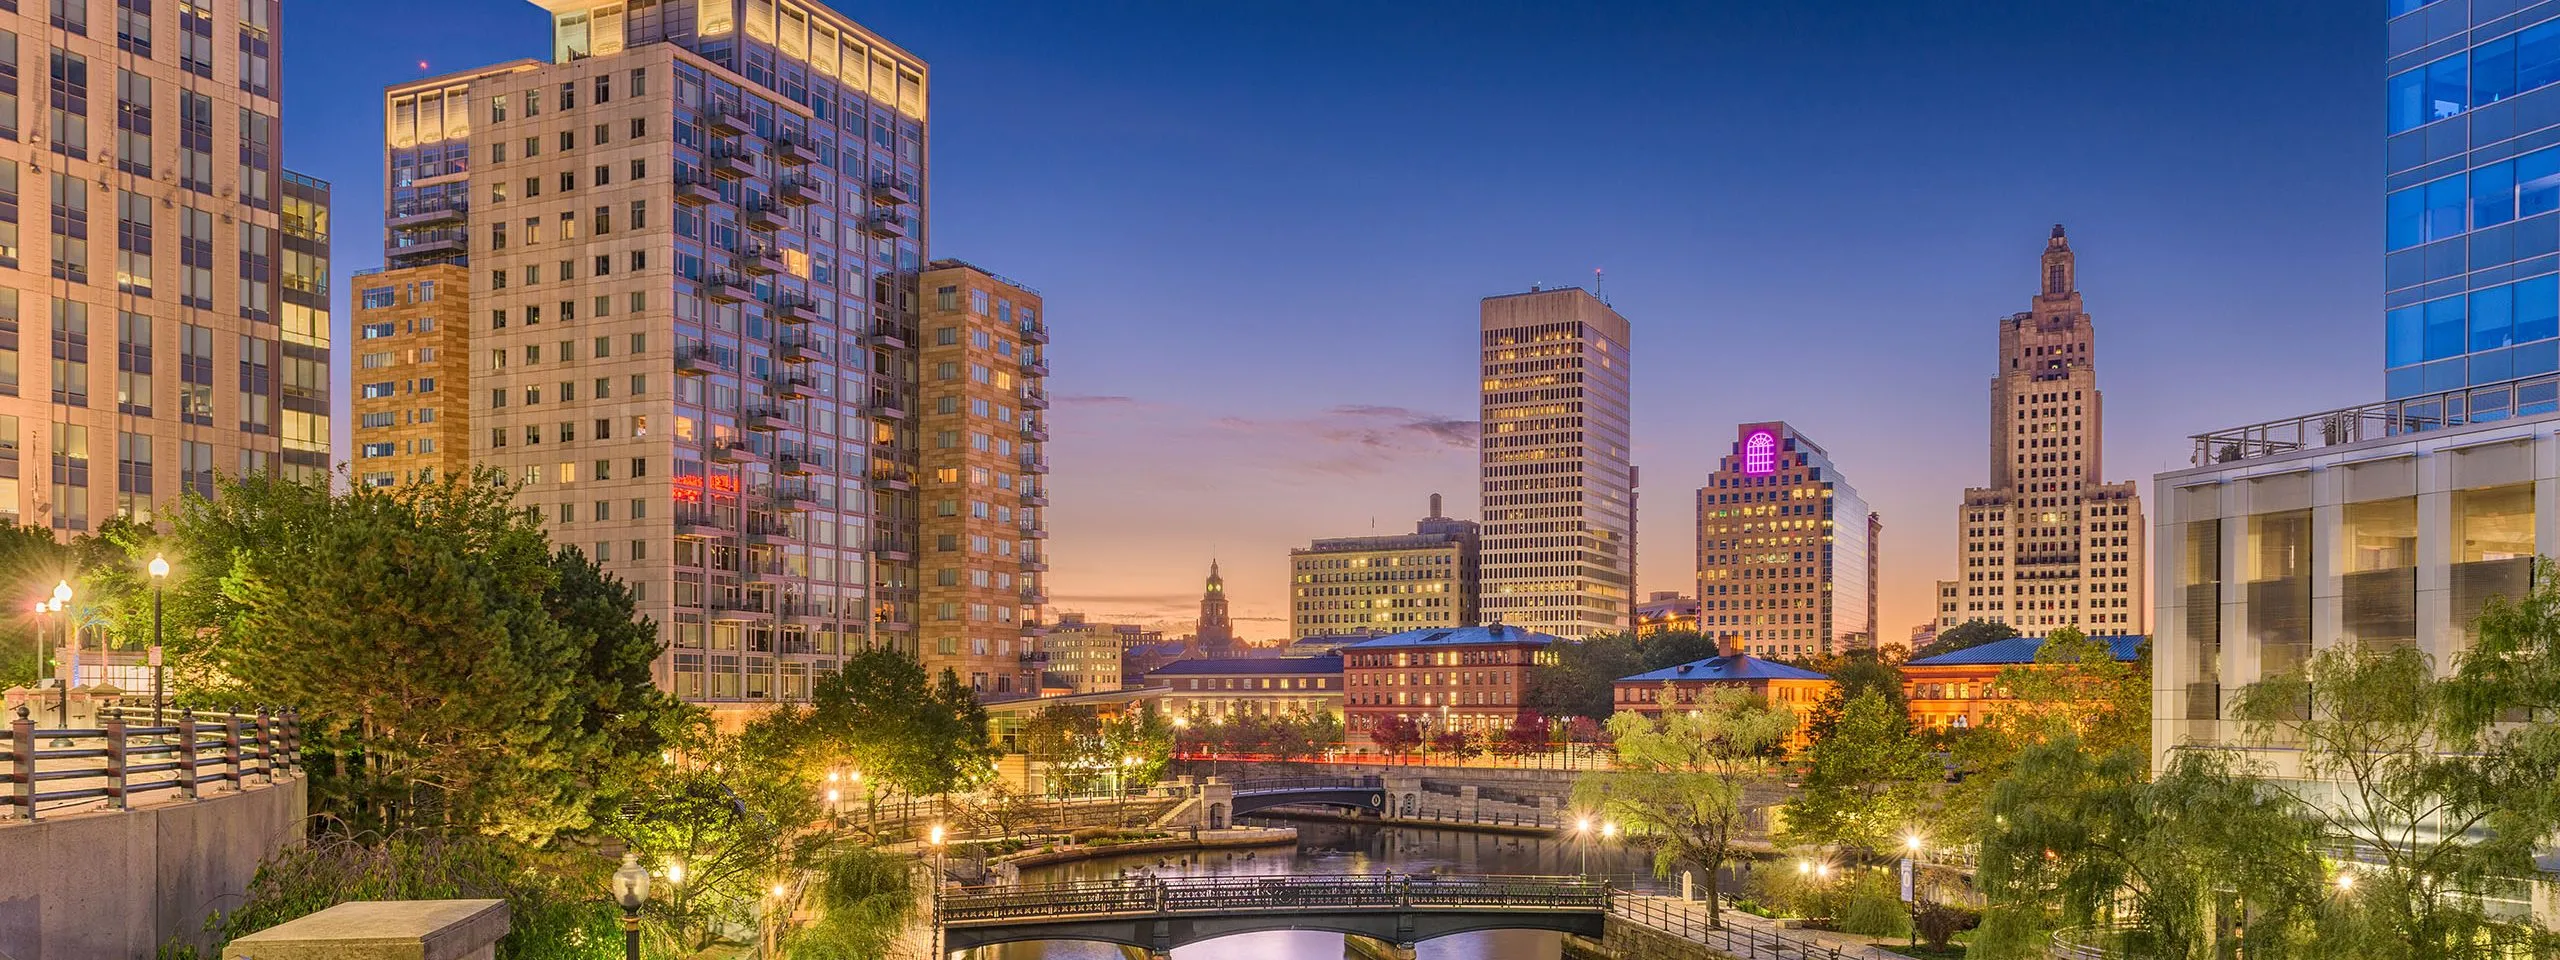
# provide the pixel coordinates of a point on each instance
(1289, 440)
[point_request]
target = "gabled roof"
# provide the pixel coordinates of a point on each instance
(1244, 666)
(2020, 650)
(1456, 637)
(1731, 669)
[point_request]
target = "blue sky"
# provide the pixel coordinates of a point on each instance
(1262, 229)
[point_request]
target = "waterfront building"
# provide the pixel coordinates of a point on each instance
(1786, 549)
(412, 323)
(1215, 635)
(1667, 611)
(1463, 678)
(1961, 689)
(1365, 586)
(1224, 688)
(2049, 543)
(1679, 687)
(1083, 656)
(1558, 489)
(982, 427)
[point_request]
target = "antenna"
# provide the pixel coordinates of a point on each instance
(1595, 286)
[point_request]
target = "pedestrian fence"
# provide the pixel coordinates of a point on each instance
(139, 751)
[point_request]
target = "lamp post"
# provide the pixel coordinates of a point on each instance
(70, 639)
(159, 673)
(1608, 832)
(1582, 843)
(40, 648)
(631, 890)
(1910, 885)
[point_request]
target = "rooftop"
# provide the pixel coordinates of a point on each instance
(1456, 637)
(1249, 665)
(1728, 669)
(2386, 419)
(2020, 650)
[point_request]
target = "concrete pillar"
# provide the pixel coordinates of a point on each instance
(1468, 803)
(1404, 794)
(1217, 805)
(383, 930)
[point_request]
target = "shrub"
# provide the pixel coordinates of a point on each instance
(1940, 921)
(1873, 906)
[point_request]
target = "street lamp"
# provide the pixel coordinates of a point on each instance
(1582, 843)
(1910, 885)
(631, 890)
(159, 674)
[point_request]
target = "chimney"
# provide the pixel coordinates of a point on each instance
(1435, 506)
(1727, 647)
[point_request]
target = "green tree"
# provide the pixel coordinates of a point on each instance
(730, 815)
(1671, 648)
(2077, 688)
(2512, 673)
(1578, 683)
(903, 730)
(1869, 782)
(1679, 781)
(865, 897)
(31, 562)
(1066, 744)
(1965, 636)
(1852, 674)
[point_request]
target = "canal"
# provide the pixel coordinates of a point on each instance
(1353, 848)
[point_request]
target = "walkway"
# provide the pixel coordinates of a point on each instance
(1743, 935)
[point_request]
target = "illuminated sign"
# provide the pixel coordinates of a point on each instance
(1760, 454)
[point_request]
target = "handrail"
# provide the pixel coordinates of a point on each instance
(1228, 894)
(269, 746)
(1276, 784)
(1748, 942)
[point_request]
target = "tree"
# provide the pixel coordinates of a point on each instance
(734, 814)
(1671, 648)
(1456, 744)
(1395, 736)
(1967, 635)
(2077, 688)
(1854, 673)
(1066, 742)
(882, 715)
(1680, 777)
(2511, 673)
(1526, 735)
(1578, 683)
(31, 561)
(1868, 784)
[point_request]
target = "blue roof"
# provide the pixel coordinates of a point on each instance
(1738, 667)
(1249, 665)
(1456, 637)
(2020, 650)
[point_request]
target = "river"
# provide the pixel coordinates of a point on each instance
(1354, 848)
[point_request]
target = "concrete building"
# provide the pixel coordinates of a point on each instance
(695, 240)
(1215, 635)
(1223, 688)
(1961, 689)
(1558, 490)
(983, 472)
(1466, 678)
(1083, 656)
(2049, 543)
(1786, 550)
(129, 398)
(1679, 687)
(1667, 611)
(1364, 586)
(413, 323)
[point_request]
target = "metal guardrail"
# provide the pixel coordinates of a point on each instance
(2375, 421)
(1673, 917)
(1284, 784)
(1224, 895)
(123, 759)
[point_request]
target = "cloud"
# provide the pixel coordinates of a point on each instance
(1351, 441)
(1101, 400)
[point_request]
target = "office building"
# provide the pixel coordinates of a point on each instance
(1558, 489)
(1786, 550)
(2472, 183)
(2049, 543)
(1365, 586)
(694, 240)
(1220, 689)
(1215, 635)
(1083, 656)
(117, 353)
(412, 324)
(1667, 611)
(1463, 678)
(981, 429)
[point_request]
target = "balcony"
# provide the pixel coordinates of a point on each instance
(888, 405)
(792, 496)
(696, 360)
(794, 308)
(1034, 532)
(1035, 465)
(1035, 366)
(888, 334)
(695, 190)
(413, 247)
(893, 548)
(1035, 497)
(795, 150)
(760, 260)
(1034, 431)
(792, 466)
(1035, 563)
(800, 190)
(800, 348)
(698, 524)
(2424, 413)
(1034, 657)
(887, 226)
(1035, 400)
(891, 477)
(740, 609)
(1035, 333)
(736, 451)
(794, 386)
(768, 215)
(733, 161)
(429, 214)
(891, 191)
(726, 119)
(726, 288)
(765, 532)
(1034, 596)
(765, 419)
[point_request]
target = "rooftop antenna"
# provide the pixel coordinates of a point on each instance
(1595, 286)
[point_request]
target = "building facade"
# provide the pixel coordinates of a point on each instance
(1680, 687)
(1960, 690)
(1225, 688)
(1667, 611)
(1083, 657)
(1465, 678)
(2049, 544)
(982, 429)
(412, 323)
(1786, 550)
(1364, 586)
(1215, 634)
(2469, 293)
(1558, 488)
(172, 256)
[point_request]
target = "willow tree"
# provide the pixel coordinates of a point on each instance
(1680, 780)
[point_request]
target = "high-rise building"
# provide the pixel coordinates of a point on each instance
(1216, 634)
(2469, 293)
(93, 427)
(981, 469)
(1786, 550)
(1365, 586)
(412, 327)
(1558, 490)
(1083, 656)
(2049, 544)
(694, 241)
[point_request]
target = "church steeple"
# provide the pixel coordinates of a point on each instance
(1216, 636)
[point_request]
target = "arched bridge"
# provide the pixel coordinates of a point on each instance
(1158, 915)
(1367, 794)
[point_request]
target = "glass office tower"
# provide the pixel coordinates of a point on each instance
(2473, 232)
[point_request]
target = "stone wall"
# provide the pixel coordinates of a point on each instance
(108, 884)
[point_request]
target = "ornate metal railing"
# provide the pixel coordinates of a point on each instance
(129, 756)
(1279, 784)
(1688, 921)
(1225, 895)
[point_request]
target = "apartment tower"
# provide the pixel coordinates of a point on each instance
(981, 470)
(2049, 544)
(412, 327)
(1558, 491)
(1786, 550)
(1368, 586)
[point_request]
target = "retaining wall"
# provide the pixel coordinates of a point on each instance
(119, 884)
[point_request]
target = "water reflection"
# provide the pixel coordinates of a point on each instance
(1345, 849)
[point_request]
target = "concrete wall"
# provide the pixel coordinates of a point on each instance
(114, 885)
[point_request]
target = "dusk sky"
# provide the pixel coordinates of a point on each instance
(1262, 230)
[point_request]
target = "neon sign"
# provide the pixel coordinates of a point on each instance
(1760, 454)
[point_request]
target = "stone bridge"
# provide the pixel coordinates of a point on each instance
(1158, 915)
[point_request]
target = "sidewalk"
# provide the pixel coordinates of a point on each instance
(1747, 936)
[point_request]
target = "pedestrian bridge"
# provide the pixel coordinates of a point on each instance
(1160, 914)
(1366, 794)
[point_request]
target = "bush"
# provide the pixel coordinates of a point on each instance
(1940, 921)
(550, 897)
(1873, 906)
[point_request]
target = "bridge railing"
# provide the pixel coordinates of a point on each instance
(1688, 921)
(1230, 894)
(1277, 784)
(129, 757)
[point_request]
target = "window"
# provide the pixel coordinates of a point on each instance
(2428, 94)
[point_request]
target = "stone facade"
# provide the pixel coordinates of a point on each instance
(982, 429)
(413, 324)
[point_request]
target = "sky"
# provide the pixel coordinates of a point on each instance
(1262, 229)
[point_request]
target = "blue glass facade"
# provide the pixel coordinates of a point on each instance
(2471, 264)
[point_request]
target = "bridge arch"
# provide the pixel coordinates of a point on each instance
(1166, 913)
(1141, 934)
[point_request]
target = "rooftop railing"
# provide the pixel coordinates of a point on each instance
(2376, 421)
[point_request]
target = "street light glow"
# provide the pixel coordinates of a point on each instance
(675, 871)
(831, 795)
(1582, 825)
(935, 837)
(778, 891)
(1911, 842)
(2346, 881)
(61, 591)
(159, 565)
(1608, 830)
(1804, 866)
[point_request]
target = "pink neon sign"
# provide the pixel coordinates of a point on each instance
(1760, 454)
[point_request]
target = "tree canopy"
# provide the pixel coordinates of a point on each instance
(1868, 784)
(1967, 635)
(1680, 778)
